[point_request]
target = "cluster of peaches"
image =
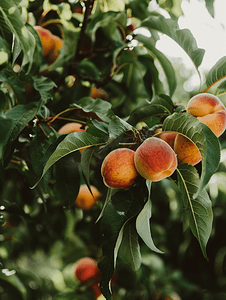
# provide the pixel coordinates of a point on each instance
(158, 156)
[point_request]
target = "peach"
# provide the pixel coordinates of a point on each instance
(98, 93)
(186, 150)
(85, 200)
(209, 110)
(86, 270)
(155, 159)
(55, 51)
(46, 39)
(118, 169)
(168, 136)
(70, 127)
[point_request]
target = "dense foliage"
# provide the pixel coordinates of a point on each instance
(153, 236)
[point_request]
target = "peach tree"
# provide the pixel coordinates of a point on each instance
(109, 45)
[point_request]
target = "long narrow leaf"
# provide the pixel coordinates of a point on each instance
(143, 223)
(197, 211)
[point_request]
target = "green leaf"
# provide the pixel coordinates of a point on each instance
(124, 205)
(143, 222)
(8, 76)
(12, 282)
(12, 123)
(24, 40)
(165, 63)
(67, 178)
(217, 72)
(116, 127)
(85, 162)
(129, 249)
(68, 50)
(45, 87)
(151, 79)
(112, 5)
(100, 107)
(4, 52)
(210, 7)
(197, 211)
(159, 105)
(183, 37)
(203, 137)
(73, 142)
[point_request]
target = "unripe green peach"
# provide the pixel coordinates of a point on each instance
(118, 169)
(209, 110)
(155, 159)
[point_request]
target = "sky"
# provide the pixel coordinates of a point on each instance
(210, 33)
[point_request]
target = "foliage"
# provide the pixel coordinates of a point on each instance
(136, 232)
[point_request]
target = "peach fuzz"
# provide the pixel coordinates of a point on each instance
(118, 169)
(85, 200)
(209, 110)
(70, 127)
(46, 39)
(155, 159)
(186, 150)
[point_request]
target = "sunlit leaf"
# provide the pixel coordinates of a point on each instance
(210, 7)
(217, 72)
(112, 5)
(182, 37)
(197, 212)
(24, 40)
(163, 60)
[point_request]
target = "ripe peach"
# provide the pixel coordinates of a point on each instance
(155, 159)
(209, 110)
(85, 200)
(118, 169)
(46, 39)
(168, 137)
(86, 270)
(54, 52)
(70, 127)
(186, 150)
(98, 93)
